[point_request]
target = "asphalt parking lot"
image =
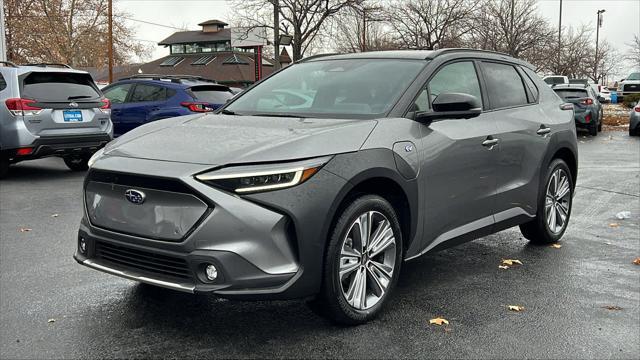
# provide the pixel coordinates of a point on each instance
(51, 307)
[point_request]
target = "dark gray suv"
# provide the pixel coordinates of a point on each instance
(323, 178)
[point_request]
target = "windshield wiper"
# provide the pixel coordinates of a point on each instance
(79, 97)
(297, 116)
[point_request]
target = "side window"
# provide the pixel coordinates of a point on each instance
(504, 85)
(458, 77)
(144, 92)
(533, 90)
(3, 83)
(118, 93)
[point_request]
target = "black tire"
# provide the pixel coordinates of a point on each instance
(538, 230)
(4, 167)
(593, 130)
(332, 297)
(600, 121)
(77, 163)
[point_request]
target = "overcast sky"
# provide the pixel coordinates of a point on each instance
(621, 19)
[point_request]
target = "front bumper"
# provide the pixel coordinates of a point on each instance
(265, 246)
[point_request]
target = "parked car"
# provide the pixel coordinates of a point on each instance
(586, 105)
(634, 121)
(50, 110)
(555, 79)
(630, 85)
(141, 99)
(604, 93)
(399, 154)
(579, 81)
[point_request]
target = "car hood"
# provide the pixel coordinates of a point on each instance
(228, 139)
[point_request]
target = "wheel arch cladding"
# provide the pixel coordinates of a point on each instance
(374, 172)
(570, 159)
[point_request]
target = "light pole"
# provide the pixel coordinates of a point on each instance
(598, 24)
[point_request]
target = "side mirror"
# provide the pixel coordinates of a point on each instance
(601, 99)
(452, 106)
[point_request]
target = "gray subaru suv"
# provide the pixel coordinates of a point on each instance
(50, 110)
(322, 179)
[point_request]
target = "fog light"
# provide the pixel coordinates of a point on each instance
(83, 245)
(212, 272)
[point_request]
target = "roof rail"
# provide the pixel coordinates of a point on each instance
(172, 78)
(447, 50)
(8, 63)
(49, 65)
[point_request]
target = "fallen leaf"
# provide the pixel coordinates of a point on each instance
(25, 229)
(54, 215)
(637, 261)
(614, 225)
(510, 262)
(439, 321)
(503, 267)
(516, 308)
(51, 320)
(556, 246)
(612, 307)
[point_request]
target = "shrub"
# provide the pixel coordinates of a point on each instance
(631, 100)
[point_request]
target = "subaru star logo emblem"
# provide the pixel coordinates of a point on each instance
(135, 196)
(73, 104)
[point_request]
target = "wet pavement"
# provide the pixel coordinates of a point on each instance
(51, 307)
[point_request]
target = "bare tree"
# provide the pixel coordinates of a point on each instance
(357, 29)
(303, 19)
(513, 27)
(633, 52)
(431, 24)
(67, 31)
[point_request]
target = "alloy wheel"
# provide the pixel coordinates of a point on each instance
(367, 260)
(558, 201)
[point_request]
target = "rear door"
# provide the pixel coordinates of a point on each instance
(145, 99)
(118, 94)
(69, 103)
(523, 132)
(459, 167)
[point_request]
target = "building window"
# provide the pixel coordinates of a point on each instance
(190, 48)
(177, 49)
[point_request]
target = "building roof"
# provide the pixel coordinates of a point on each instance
(218, 68)
(185, 37)
(213, 22)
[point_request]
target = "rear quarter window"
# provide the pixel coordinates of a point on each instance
(59, 87)
(3, 83)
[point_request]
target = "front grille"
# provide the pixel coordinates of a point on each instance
(632, 87)
(143, 260)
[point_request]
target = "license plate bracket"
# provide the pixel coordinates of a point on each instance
(72, 116)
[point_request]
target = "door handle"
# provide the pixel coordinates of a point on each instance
(543, 130)
(490, 142)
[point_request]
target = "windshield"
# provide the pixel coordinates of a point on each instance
(348, 88)
(554, 80)
(59, 87)
(634, 76)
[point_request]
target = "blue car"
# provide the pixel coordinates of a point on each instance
(140, 99)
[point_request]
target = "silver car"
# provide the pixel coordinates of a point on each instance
(396, 155)
(634, 120)
(50, 110)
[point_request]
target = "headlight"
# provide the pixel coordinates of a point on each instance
(95, 157)
(255, 178)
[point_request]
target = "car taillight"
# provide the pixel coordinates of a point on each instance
(23, 107)
(587, 102)
(637, 108)
(196, 106)
(587, 118)
(106, 106)
(24, 151)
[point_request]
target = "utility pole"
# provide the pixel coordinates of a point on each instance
(560, 36)
(598, 24)
(364, 29)
(276, 33)
(110, 41)
(3, 42)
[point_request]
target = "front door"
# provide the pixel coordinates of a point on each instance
(458, 168)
